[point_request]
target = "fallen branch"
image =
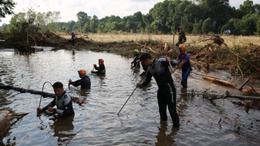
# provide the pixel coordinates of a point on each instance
(223, 82)
(148, 48)
(199, 64)
(222, 41)
(22, 90)
(218, 96)
(44, 94)
(203, 74)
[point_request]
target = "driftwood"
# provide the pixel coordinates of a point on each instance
(218, 96)
(222, 41)
(223, 82)
(155, 52)
(4, 124)
(216, 80)
(199, 65)
(203, 74)
(22, 90)
(43, 94)
(240, 88)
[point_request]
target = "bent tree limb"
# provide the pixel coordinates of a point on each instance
(155, 52)
(256, 68)
(22, 90)
(44, 94)
(218, 96)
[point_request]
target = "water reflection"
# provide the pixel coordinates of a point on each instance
(200, 120)
(164, 139)
(63, 128)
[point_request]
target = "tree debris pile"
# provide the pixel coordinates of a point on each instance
(216, 55)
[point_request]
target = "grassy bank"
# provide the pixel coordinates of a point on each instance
(238, 55)
(206, 54)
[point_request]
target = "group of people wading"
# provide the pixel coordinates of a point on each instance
(62, 100)
(161, 69)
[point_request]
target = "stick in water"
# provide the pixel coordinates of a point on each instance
(131, 94)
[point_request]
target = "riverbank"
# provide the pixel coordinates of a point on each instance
(238, 55)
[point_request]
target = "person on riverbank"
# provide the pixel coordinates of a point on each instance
(184, 64)
(62, 100)
(135, 64)
(84, 82)
(101, 69)
(166, 95)
(73, 37)
(182, 37)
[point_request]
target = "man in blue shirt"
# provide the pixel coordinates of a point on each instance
(184, 59)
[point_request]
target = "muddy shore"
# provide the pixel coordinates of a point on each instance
(212, 55)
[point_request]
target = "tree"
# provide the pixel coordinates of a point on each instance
(208, 26)
(197, 26)
(248, 24)
(100, 27)
(258, 26)
(82, 19)
(181, 16)
(218, 10)
(159, 14)
(16, 22)
(232, 25)
(6, 8)
(247, 7)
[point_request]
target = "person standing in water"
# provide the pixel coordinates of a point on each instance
(73, 37)
(84, 82)
(135, 63)
(184, 64)
(166, 95)
(62, 100)
(101, 69)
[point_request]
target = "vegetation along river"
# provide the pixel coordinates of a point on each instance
(202, 122)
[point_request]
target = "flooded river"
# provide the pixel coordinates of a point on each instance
(202, 122)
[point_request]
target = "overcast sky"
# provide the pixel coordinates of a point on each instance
(69, 8)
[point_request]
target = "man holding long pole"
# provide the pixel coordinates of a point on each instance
(166, 96)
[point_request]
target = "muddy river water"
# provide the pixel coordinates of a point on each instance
(202, 122)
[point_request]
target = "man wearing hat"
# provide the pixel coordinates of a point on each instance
(84, 81)
(135, 63)
(101, 69)
(184, 59)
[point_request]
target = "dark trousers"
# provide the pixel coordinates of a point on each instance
(167, 97)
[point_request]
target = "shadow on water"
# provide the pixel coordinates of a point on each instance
(63, 129)
(202, 122)
(163, 138)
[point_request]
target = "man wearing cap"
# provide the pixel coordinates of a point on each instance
(84, 81)
(184, 59)
(182, 37)
(101, 69)
(135, 63)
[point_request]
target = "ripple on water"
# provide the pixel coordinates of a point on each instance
(96, 122)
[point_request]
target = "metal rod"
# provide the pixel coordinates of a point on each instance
(42, 91)
(127, 100)
(132, 93)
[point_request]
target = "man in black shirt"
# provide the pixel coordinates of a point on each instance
(166, 95)
(84, 82)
